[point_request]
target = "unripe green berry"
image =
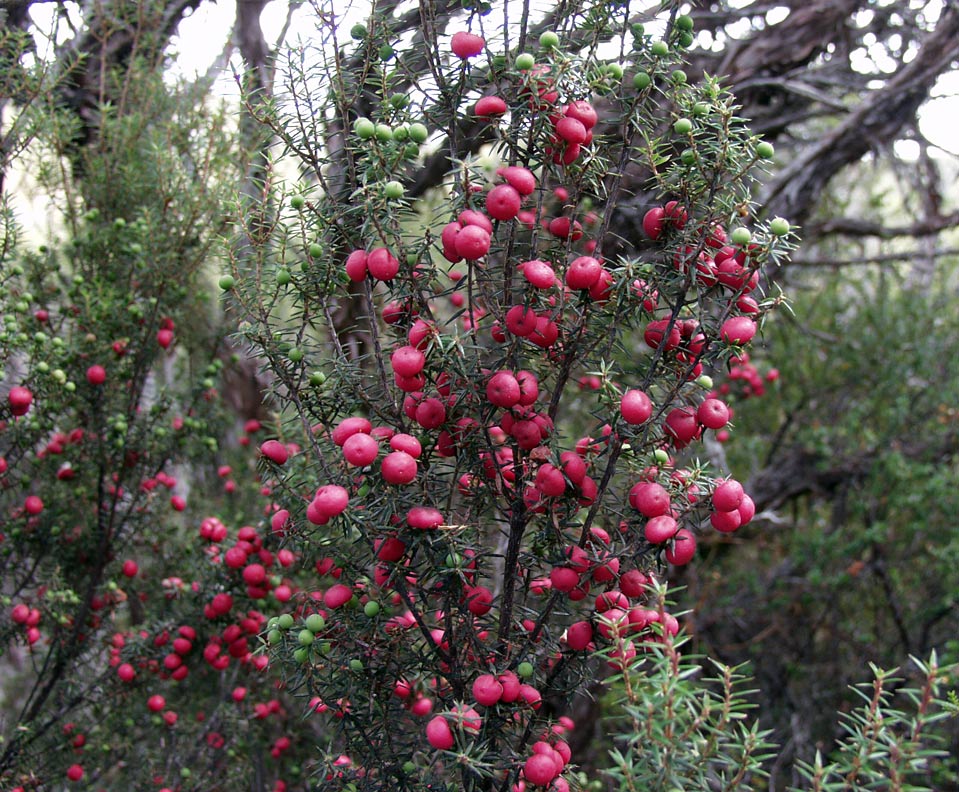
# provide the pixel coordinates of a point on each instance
(297, 202)
(683, 126)
(779, 226)
(764, 150)
(740, 236)
(642, 81)
(393, 190)
(227, 282)
(548, 40)
(315, 622)
(418, 132)
(659, 48)
(364, 128)
(524, 61)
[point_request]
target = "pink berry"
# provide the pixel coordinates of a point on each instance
(466, 45)
(635, 407)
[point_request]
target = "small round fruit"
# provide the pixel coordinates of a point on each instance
(297, 202)
(364, 128)
(466, 45)
(418, 132)
(372, 609)
(779, 226)
(740, 236)
(683, 126)
(548, 40)
(659, 48)
(393, 190)
(765, 150)
(524, 670)
(383, 132)
(358, 32)
(524, 61)
(642, 81)
(635, 407)
(226, 282)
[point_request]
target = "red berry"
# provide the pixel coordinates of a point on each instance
(738, 330)
(660, 529)
(489, 106)
(521, 179)
(487, 690)
(728, 495)
(472, 242)
(503, 202)
(466, 45)
(96, 375)
(19, 399)
(540, 770)
(713, 414)
(635, 407)
(682, 549)
(503, 390)
(356, 266)
(583, 272)
(275, 451)
(360, 449)
(439, 734)
(382, 265)
(653, 222)
(398, 467)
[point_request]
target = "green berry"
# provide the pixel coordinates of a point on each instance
(678, 77)
(393, 190)
(705, 382)
(295, 355)
(688, 157)
(227, 282)
(383, 132)
(779, 226)
(700, 109)
(358, 32)
(315, 250)
(305, 637)
(364, 128)
(399, 101)
(686, 40)
(660, 456)
(642, 81)
(614, 71)
(740, 236)
(285, 621)
(274, 637)
(283, 276)
(659, 48)
(524, 670)
(764, 150)
(356, 665)
(524, 61)
(637, 29)
(371, 609)
(315, 623)
(401, 133)
(683, 126)
(386, 52)
(418, 132)
(548, 40)
(684, 22)
(297, 202)
(301, 655)
(317, 378)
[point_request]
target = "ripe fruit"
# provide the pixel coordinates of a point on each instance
(503, 202)
(487, 690)
(660, 529)
(728, 495)
(360, 449)
(713, 414)
(583, 272)
(472, 242)
(635, 407)
(96, 375)
(489, 106)
(466, 45)
(275, 451)
(503, 390)
(382, 265)
(398, 467)
(19, 399)
(540, 769)
(738, 330)
(439, 734)
(682, 549)
(654, 221)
